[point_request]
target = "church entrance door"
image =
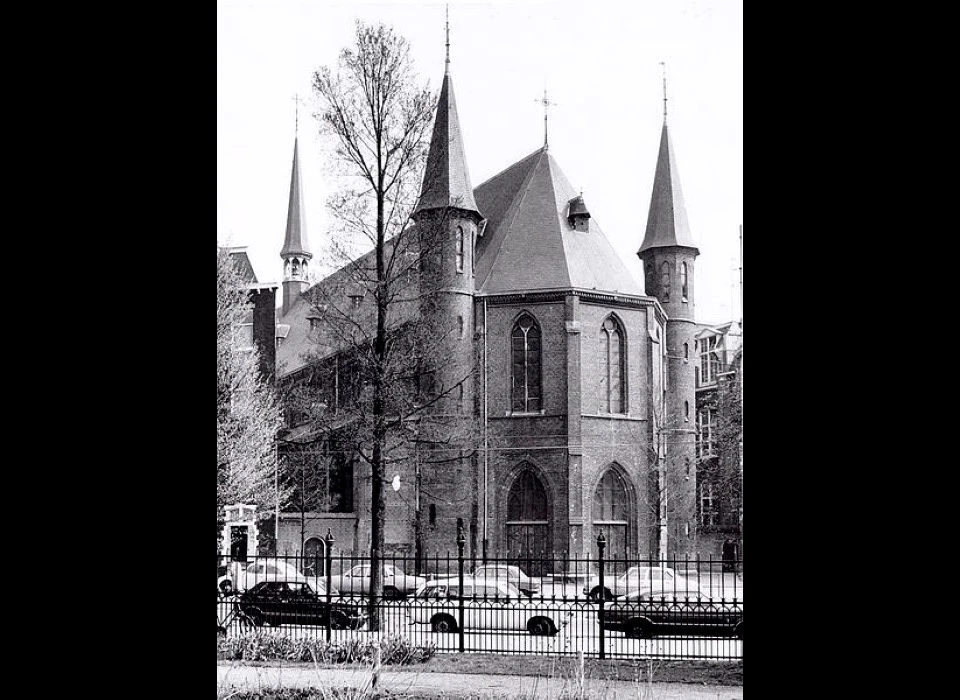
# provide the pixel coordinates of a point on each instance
(527, 530)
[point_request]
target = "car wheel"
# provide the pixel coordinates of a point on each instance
(391, 593)
(226, 587)
(338, 620)
(639, 629)
(541, 627)
(444, 623)
(596, 594)
(252, 618)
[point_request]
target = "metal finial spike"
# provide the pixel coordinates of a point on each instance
(296, 113)
(664, 66)
(447, 69)
(546, 103)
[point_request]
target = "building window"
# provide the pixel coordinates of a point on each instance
(433, 515)
(686, 351)
(665, 281)
(612, 359)
(459, 248)
(460, 325)
(706, 422)
(683, 281)
(245, 336)
(708, 512)
(525, 343)
(611, 511)
(709, 359)
(686, 410)
(460, 398)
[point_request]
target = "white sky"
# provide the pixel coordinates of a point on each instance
(598, 60)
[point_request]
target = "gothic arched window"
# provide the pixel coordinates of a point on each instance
(612, 360)
(665, 281)
(459, 248)
(527, 500)
(525, 349)
(683, 281)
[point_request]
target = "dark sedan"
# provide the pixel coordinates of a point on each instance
(296, 603)
(647, 613)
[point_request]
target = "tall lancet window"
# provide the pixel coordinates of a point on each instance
(665, 281)
(525, 341)
(459, 248)
(611, 367)
(683, 282)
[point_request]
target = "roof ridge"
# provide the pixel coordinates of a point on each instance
(509, 167)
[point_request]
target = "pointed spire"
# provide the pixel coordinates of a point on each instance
(295, 242)
(446, 181)
(667, 220)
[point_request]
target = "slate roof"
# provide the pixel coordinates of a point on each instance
(446, 180)
(529, 243)
(244, 266)
(667, 219)
(295, 242)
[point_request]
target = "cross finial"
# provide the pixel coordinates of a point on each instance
(546, 103)
(447, 69)
(664, 68)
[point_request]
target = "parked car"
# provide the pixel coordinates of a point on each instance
(637, 578)
(647, 613)
(396, 584)
(297, 603)
(486, 605)
(240, 577)
(494, 573)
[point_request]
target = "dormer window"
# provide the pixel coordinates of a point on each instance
(577, 214)
(683, 282)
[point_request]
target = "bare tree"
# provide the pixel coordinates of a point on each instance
(375, 336)
(248, 414)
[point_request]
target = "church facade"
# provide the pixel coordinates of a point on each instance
(578, 379)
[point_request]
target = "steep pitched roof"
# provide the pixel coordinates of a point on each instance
(244, 266)
(446, 180)
(667, 220)
(529, 244)
(295, 242)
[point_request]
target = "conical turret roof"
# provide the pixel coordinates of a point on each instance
(667, 220)
(295, 242)
(446, 181)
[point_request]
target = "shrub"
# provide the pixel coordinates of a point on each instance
(268, 646)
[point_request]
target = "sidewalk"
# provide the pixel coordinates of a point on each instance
(414, 683)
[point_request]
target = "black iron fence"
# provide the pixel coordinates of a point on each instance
(607, 606)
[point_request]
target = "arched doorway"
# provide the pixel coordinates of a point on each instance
(314, 557)
(528, 523)
(611, 513)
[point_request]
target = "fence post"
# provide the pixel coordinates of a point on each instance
(328, 565)
(601, 545)
(461, 541)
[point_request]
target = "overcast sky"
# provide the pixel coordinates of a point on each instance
(598, 60)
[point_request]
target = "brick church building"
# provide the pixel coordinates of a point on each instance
(578, 377)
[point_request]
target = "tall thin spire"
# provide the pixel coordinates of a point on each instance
(295, 241)
(446, 180)
(664, 68)
(446, 70)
